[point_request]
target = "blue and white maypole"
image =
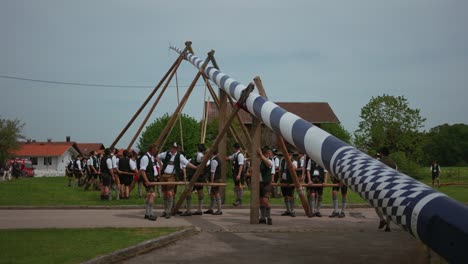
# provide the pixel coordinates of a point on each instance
(430, 216)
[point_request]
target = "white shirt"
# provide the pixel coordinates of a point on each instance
(78, 164)
(199, 157)
(90, 162)
(109, 164)
(133, 165)
(115, 162)
(277, 161)
(316, 172)
(214, 165)
(170, 167)
(284, 176)
(240, 157)
(144, 161)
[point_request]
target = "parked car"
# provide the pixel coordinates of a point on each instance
(22, 167)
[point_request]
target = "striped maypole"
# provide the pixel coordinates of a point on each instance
(430, 216)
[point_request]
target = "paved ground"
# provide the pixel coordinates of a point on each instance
(231, 239)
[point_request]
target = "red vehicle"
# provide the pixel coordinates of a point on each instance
(22, 167)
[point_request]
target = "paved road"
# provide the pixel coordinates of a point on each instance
(231, 239)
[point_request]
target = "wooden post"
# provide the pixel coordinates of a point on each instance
(182, 103)
(187, 44)
(156, 102)
(210, 151)
(255, 165)
(282, 145)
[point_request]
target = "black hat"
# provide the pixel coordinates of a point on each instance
(174, 145)
(236, 145)
(201, 147)
(265, 148)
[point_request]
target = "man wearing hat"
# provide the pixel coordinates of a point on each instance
(107, 172)
(237, 172)
(149, 173)
(267, 169)
(196, 160)
(171, 166)
(214, 169)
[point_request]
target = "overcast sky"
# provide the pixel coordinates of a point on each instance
(340, 52)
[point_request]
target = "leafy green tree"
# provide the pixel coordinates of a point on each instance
(389, 121)
(448, 144)
(190, 128)
(10, 134)
(338, 131)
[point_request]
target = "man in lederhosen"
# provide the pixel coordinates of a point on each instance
(92, 169)
(107, 172)
(315, 175)
(149, 173)
(267, 169)
(435, 170)
(237, 173)
(288, 191)
(196, 160)
(171, 166)
(214, 169)
(77, 170)
(344, 195)
(125, 175)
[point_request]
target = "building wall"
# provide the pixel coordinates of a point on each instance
(59, 163)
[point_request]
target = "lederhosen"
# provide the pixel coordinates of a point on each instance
(265, 184)
(76, 171)
(435, 171)
(170, 177)
(149, 173)
(235, 171)
(335, 180)
(217, 175)
(286, 190)
(105, 172)
(316, 179)
(191, 172)
(124, 166)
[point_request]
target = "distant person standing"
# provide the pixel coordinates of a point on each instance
(385, 159)
(7, 170)
(237, 172)
(435, 170)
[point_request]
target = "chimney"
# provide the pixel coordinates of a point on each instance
(33, 141)
(49, 140)
(68, 138)
(28, 140)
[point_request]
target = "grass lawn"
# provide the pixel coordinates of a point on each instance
(70, 245)
(52, 191)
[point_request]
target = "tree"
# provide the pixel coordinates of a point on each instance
(448, 144)
(190, 128)
(389, 121)
(10, 134)
(338, 131)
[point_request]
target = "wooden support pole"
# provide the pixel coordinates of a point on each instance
(150, 112)
(182, 103)
(187, 44)
(186, 183)
(282, 145)
(256, 133)
(210, 151)
(242, 126)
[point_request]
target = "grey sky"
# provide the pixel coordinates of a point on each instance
(341, 52)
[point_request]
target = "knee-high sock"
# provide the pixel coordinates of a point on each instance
(286, 203)
(150, 208)
(165, 204)
(312, 204)
(291, 204)
(189, 203)
(218, 203)
(170, 202)
(146, 207)
(262, 212)
(200, 203)
(212, 202)
(319, 203)
(268, 212)
(140, 192)
(344, 202)
(335, 204)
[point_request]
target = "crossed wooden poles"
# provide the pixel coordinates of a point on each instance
(252, 138)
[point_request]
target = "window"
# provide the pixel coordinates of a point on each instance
(47, 161)
(33, 160)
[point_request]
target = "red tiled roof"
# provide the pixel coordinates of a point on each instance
(43, 149)
(314, 112)
(86, 148)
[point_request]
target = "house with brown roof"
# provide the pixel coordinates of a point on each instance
(86, 148)
(316, 113)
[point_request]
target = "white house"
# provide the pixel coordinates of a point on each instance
(48, 158)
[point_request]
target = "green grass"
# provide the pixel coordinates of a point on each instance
(70, 245)
(51, 191)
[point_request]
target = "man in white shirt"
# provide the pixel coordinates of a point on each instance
(106, 174)
(171, 166)
(237, 173)
(267, 170)
(149, 172)
(196, 160)
(115, 178)
(288, 191)
(77, 170)
(316, 175)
